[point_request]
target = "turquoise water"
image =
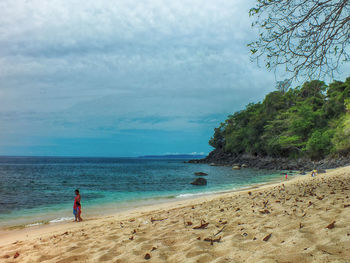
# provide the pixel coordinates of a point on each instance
(41, 189)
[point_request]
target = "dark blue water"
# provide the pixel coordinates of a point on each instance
(33, 188)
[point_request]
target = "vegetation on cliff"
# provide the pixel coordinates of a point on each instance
(312, 120)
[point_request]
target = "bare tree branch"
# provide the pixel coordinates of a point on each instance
(308, 37)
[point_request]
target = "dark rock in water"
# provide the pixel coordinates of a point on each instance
(200, 174)
(199, 181)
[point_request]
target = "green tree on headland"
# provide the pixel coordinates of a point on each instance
(341, 138)
(312, 120)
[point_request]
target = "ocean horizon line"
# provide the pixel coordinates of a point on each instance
(107, 157)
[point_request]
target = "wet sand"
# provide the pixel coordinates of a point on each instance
(302, 220)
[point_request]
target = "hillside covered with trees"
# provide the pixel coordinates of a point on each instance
(311, 121)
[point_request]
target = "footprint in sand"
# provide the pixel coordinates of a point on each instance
(112, 253)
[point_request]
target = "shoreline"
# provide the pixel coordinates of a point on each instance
(111, 208)
(304, 219)
(8, 234)
(218, 157)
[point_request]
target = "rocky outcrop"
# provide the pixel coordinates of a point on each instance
(200, 174)
(220, 157)
(199, 181)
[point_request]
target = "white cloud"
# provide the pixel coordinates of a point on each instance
(98, 67)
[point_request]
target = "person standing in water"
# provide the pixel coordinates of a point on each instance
(77, 206)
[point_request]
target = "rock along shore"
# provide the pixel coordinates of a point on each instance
(222, 158)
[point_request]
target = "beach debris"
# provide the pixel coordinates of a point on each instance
(134, 231)
(212, 240)
(6, 256)
(147, 256)
(157, 219)
(254, 238)
(238, 209)
(131, 238)
(310, 204)
(265, 203)
(244, 234)
(202, 225)
(267, 237)
(249, 193)
(132, 220)
(219, 231)
(189, 223)
(16, 255)
(200, 174)
(301, 225)
(153, 248)
(264, 212)
(222, 210)
(193, 207)
(345, 206)
(331, 225)
(198, 238)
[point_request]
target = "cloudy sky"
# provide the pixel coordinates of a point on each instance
(122, 77)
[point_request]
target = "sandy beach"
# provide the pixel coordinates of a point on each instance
(305, 219)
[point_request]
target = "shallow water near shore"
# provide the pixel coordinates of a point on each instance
(36, 190)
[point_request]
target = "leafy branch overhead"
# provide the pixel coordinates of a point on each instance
(308, 37)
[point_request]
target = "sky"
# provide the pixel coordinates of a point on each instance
(123, 77)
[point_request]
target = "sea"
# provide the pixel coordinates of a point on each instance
(40, 190)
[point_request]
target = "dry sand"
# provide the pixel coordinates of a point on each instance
(284, 222)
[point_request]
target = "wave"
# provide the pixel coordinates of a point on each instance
(198, 194)
(61, 219)
(34, 224)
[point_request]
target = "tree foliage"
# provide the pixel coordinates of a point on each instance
(341, 138)
(307, 37)
(312, 120)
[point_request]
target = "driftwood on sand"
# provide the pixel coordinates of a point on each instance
(202, 225)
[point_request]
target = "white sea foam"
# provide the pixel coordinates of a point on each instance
(195, 194)
(61, 219)
(34, 224)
